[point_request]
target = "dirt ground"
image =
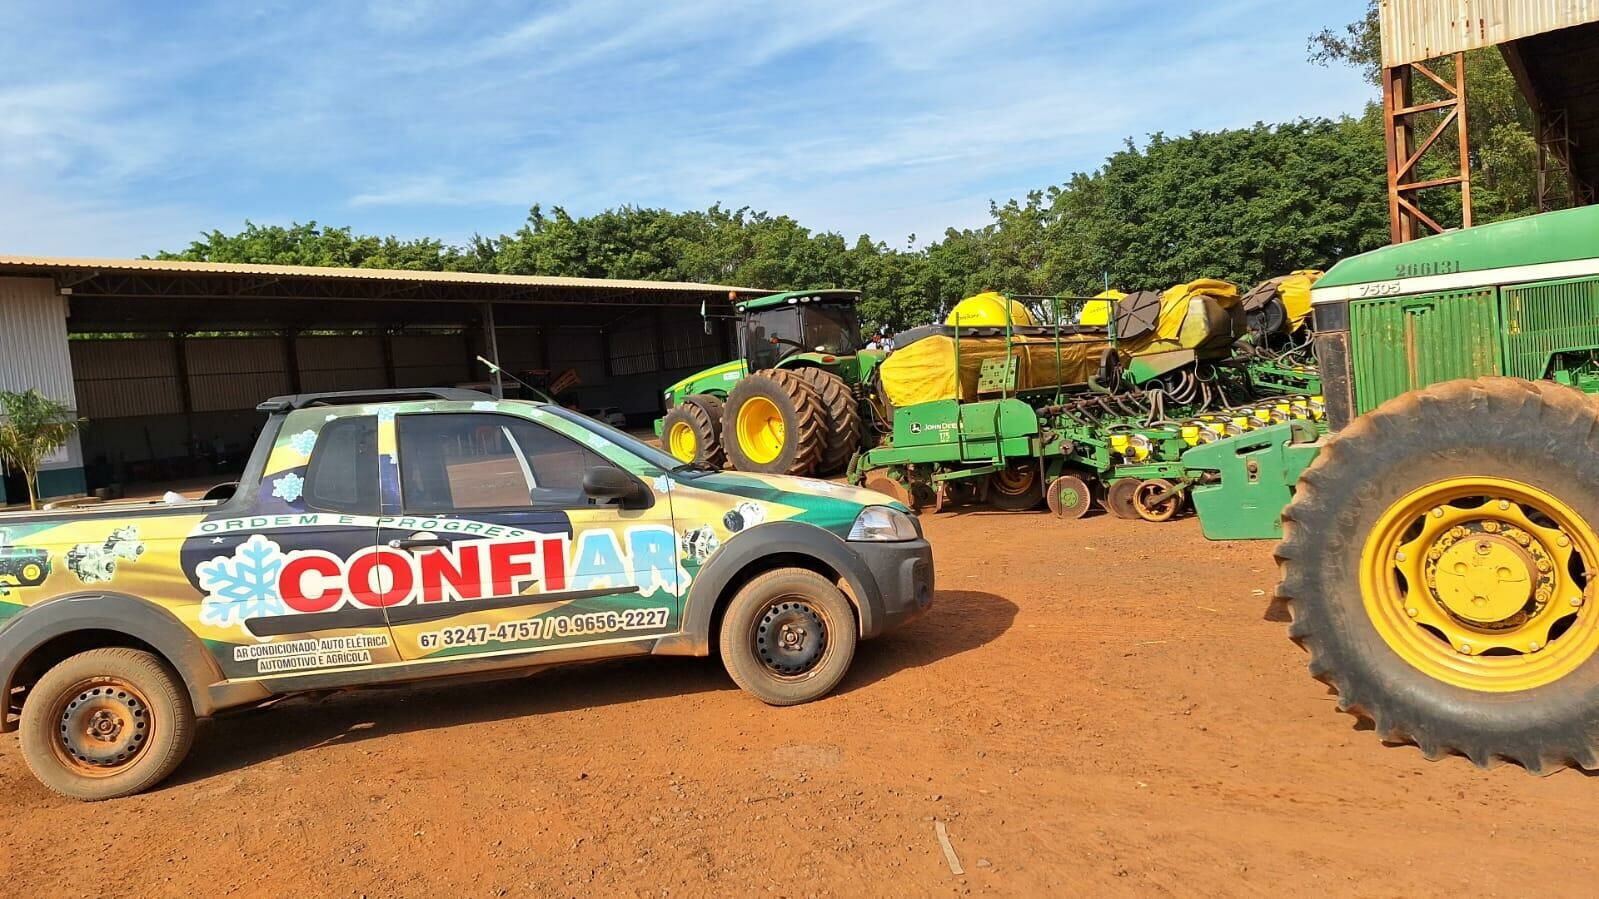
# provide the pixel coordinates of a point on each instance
(1095, 707)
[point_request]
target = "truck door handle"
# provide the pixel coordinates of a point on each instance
(418, 541)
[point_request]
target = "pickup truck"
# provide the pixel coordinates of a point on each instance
(405, 536)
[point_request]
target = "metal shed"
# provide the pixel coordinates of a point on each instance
(1552, 48)
(167, 359)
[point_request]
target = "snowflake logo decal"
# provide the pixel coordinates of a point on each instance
(386, 414)
(303, 442)
(663, 484)
(289, 488)
(242, 586)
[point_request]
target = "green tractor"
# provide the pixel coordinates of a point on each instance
(792, 404)
(1440, 547)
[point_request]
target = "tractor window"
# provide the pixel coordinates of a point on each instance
(782, 325)
(831, 328)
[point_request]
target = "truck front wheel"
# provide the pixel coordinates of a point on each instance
(788, 637)
(106, 723)
(1439, 560)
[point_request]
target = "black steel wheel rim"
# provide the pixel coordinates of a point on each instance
(790, 638)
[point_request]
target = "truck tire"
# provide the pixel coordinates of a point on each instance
(842, 416)
(106, 723)
(788, 636)
(692, 432)
(773, 423)
(1434, 566)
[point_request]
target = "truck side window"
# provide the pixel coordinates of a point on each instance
(455, 461)
(343, 475)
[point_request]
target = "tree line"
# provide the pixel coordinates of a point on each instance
(1240, 204)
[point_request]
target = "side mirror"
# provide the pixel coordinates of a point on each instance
(605, 483)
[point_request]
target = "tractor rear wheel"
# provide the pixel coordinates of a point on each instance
(843, 418)
(1436, 564)
(773, 423)
(692, 432)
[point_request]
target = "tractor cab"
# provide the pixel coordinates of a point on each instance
(774, 328)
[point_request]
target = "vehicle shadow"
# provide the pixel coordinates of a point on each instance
(959, 621)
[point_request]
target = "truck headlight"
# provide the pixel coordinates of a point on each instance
(882, 524)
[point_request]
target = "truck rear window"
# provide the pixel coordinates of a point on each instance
(343, 476)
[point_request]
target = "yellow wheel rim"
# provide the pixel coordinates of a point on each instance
(1016, 480)
(681, 442)
(1481, 583)
(32, 571)
(760, 429)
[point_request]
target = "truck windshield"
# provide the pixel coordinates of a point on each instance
(619, 437)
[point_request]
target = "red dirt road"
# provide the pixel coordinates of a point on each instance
(1092, 707)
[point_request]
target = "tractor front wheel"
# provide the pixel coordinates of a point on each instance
(1438, 563)
(692, 431)
(773, 422)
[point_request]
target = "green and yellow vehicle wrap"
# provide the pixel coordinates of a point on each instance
(312, 570)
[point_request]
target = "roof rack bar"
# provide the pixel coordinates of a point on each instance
(349, 397)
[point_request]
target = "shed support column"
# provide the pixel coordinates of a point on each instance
(1400, 111)
(660, 341)
(180, 360)
(387, 343)
(291, 359)
(491, 341)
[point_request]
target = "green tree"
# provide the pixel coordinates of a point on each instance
(32, 426)
(309, 244)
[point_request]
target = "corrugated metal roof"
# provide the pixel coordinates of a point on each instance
(11, 263)
(1414, 30)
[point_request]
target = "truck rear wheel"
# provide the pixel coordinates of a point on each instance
(692, 432)
(842, 417)
(788, 637)
(106, 723)
(773, 423)
(1436, 562)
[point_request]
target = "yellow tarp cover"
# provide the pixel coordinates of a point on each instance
(1096, 312)
(924, 371)
(1295, 293)
(1193, 316)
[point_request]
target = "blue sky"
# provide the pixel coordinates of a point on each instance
(130, 127)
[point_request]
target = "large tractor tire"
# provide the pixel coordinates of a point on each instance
(1435, 564)
(843, 414)
(773, 422)
(692, 432)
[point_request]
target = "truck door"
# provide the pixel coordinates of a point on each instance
(294, 572)
(509, 554)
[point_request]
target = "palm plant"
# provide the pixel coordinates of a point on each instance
(32, 426)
